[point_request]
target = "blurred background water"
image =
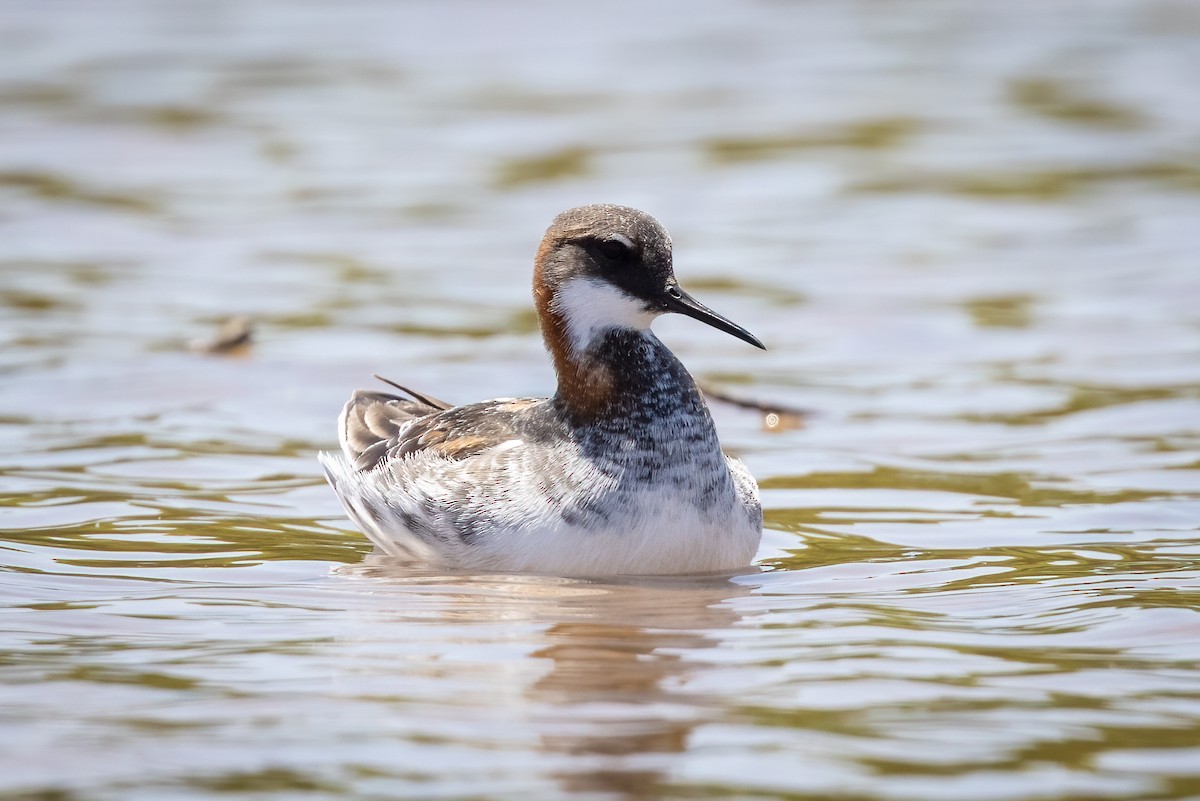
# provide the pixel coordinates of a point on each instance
(968, 232)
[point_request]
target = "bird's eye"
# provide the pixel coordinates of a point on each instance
(615, 249)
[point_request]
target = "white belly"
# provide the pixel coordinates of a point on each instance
(659, 528)
(659, 537)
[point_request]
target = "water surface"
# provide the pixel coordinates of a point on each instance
(966, 232)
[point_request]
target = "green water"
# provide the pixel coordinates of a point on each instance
(967, 232)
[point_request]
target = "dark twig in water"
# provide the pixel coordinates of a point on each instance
(775, 416)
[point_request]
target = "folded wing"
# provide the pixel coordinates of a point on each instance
(379, 426)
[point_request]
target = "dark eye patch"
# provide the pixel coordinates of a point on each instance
(614, 250)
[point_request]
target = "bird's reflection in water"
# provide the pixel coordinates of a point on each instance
(616, 697)
(611, 704)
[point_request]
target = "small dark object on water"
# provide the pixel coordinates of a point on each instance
(775, 417)
(232, 338)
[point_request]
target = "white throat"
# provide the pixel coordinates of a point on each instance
(589, 307)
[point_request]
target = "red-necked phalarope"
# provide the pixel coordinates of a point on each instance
(619, 473)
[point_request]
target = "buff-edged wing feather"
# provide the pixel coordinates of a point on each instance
(462, 431)
(378, 427)
(370, 421)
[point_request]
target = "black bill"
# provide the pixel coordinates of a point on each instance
(677, 300)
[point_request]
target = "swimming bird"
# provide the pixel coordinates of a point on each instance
(619, 472)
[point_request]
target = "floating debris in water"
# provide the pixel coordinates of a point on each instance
(232, 338)
(782, 421)
(776, 418)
